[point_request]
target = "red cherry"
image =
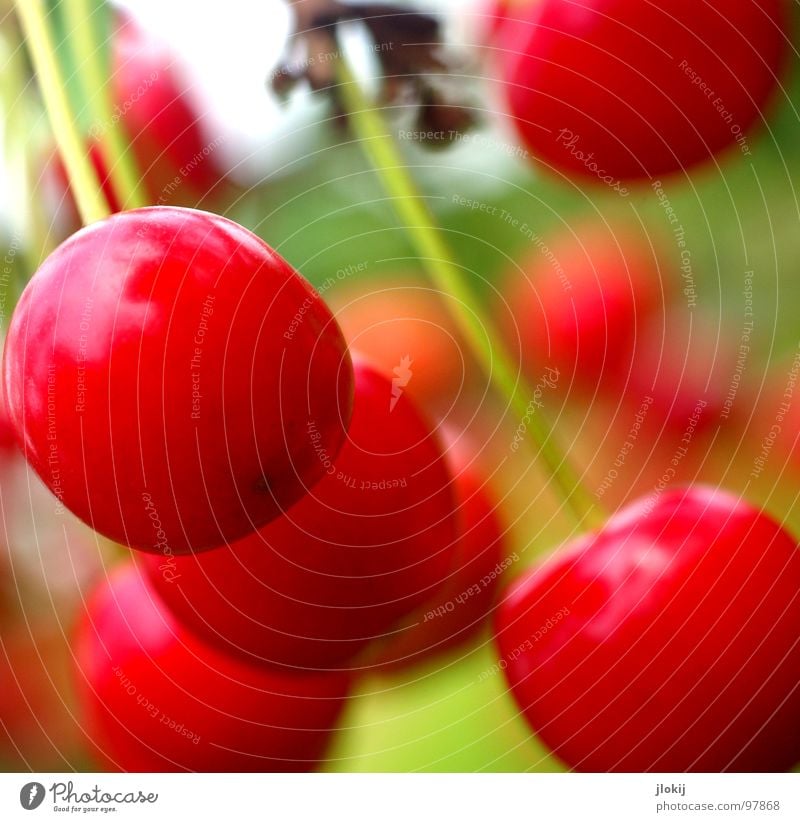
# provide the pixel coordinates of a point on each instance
(169, 134)
(160, 370)
(155, 698)
(582, 303)
(615, 90)
(459, 609)
(667, 641)
(370, 543)
(687, 368)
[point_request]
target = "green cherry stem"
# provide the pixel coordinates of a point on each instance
(93, 72)
(83, 181)
(379, 145)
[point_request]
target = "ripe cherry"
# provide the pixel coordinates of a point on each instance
(687, 367)
(459, 609)
(160, 370)
(372, 540)
(615, 90)
(154, 698)
(581, 304)
(667, 641)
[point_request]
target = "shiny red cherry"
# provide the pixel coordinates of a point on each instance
(615, 90)
(667, 641)
(459, 609)
(373, 539)
(161, 370)
(580, 304)
(154, 698)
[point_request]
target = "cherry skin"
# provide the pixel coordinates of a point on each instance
(460, 608)
(156, 699)
(580, 308)
(617, 90)
(665, 642)
(372, 540)
(159, 371)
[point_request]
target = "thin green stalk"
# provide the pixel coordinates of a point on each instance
(369, 126)
(93, 74)
(84, 184)
(20, 113)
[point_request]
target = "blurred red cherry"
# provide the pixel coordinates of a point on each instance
(156, 699)
(459, 609)
(402, 325)
(580, 304)
(616, 90)
(368, 544)
(666, 641)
